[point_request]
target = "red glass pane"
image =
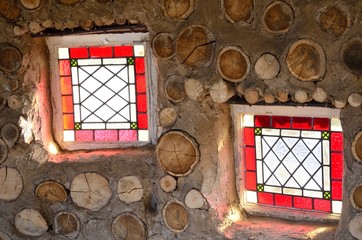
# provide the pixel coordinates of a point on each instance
(68, 121)
(64, 67)
(142, 121)
(303, 202)
(301, 123)
(141, 83)
(249, 136)
(141, 103)
(83, 135)
(262, 121)
(127, 135)
(250, 180)
(250, 162)
(336, 141)
(283, 200)
(321, 124)
(101, 52)
(322, 205)
(265, 198)
(337, 166)
(106, 135)
(336, 190)
(67, 104)
(140, 65)
(280, 122)
(79, 53)
(66, 85)
(123, 51)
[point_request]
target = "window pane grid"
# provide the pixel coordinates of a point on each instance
(104, 94)
(298, 162)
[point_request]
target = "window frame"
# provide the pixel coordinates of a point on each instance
(274, 211)
(87, 40)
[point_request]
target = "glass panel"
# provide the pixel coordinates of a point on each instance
(271, 132)
(292, 183)
(249, 136)
(68, 121)
(251, 197)
(63, 53)
(67, 104)
(93, 126)
(75, 75)
(140, 65)
(141, 103)
(141, 84)
(301, 123)
(66, 85)
(132, 93)
(282, 174)
(302, 202)
(103, 75)
(106, 135)
(327, 179)
(123, 51)
(127, 135)
(76, 113)
(84, 135)
(290, 142)
(326, 152)
(322, 205)
(311, 164)
(79, 53)
(259, 172)
(337, 190)
(336, 141)
(68, 136)
(101, 51)
(143, 135)
(142, 121)
(250, 180)
(272, 189)
(133, 112)
(262, 121)
(301, 176)
(336, 125)
(248, 121)
(321, 123)
(336, 206)
(139, 50)
(290, 133)
(292, 191)
(337, 165)
(64, 68)
(131, 74)
(280, 122)
(111, 61)
(117, 125)
(311, 134)
(86, 62)
(265, 198)
(76, 94)
(91, 103)
(282, 200)
(300, 150)
(249, 154)
(290, 162)
(313, 194)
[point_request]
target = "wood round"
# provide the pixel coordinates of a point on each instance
(357, 147)
(51, 191)
(351, 55)
(221, 91)
(163, 45)
(278, 17)
(356, 196)
(66, 224)
(194, 89)
(175, 88)
(237, 10)
(11, 184)
(69, 2)
(127, 226)
(233, 64)
(30, 4)
(177, 152)
(175, 216)
(267, 66)
(168, 183)
(130, 189)
(178, 9)
(11, 58)
(90, 190)
(333, 20)
(194, 199)
(355, 227)
(30, 222)
(9, 10)
(306, 60)
(3, 151)
(168, 117)
(194, 46)
(355, 99)
(10, 133)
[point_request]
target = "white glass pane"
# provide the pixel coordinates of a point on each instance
(271, 132)
(114, 61)
(259, 171)
(133, 112)
(266, 174)
(313, 194)
(63, 53)
(325, 152)
(270, 140)
(292, 183)
(265, 147)
(125, 113)
(93, 126)
(139, 50)
(272, 181)
(131, 78)
(336, 125)
(91, 118)
(117, 125)
(273, 189)
(290, 162)
(271, 161)
(336, 206)
(282, 174)
(301, 176)
(91, 103)
(292, 191)
(311, 164)
(117, 103)
(116, 84)
(290, 133)
(290, 142)
(317, 152)
(84, 113)
(327, 179)
(125, 94)
(311, 143)
(251, 197)
(90, 85)
(132, 93)
(75, 94)
(258, 147)
(123, 74)
(311, 134)
(300, 150)
(68, 135)
(280, 149)
(76, 113)
(105, 113)
(86, 62)
(248, 121)
(103, 75)
(312, 185)
(318, 178)
(74, 75)
(103, 94)
(118, 119)
(143, 135)
(89, 70)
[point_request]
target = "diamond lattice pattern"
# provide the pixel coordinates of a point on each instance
(292, 162)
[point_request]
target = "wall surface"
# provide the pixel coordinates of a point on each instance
(25, 100)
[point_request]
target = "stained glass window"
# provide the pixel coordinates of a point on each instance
(103, 94)
(293, 162)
